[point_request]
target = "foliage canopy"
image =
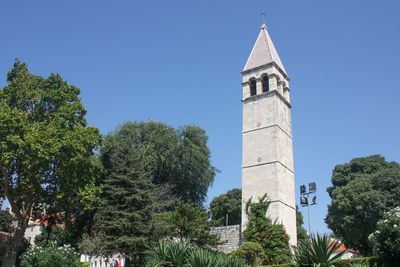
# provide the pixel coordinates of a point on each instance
(6, 220)
(45, 145)
(229, 204)
(362, 190)
(188, 221)
(301, 232)
(387, 237)
(124, 219)
(176, 157)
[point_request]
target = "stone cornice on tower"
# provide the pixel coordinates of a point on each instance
(266, 66)
(267, 94)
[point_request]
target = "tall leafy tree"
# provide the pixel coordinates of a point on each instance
(45, 145)
(6, 220)
(301, 232)
(362, 190)
(227, 205)
(188, 221)
(175, 158)
(124, 221)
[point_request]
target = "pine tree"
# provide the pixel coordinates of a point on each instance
(124, 219)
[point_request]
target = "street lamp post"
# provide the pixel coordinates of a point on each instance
(304, 196)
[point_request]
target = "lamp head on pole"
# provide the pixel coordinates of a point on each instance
(314, 200)
(302, 189)
(312, 187)
(304, 201)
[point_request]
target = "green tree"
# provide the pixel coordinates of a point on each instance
(301, 232)
(45, 145)
(229, 204)
(6, 220)
(178, 158)
(124, 220)
(362, 190)
(271, 236)
(387, 237)
(52, 233)
(188, 221)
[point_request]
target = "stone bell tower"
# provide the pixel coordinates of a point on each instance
(267, 159)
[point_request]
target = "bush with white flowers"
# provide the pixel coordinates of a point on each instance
(387, 236)
(51, 255)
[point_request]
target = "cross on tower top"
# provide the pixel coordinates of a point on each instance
(263, 17)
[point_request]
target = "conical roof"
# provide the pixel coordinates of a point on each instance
(263, 52)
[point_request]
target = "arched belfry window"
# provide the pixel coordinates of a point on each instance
(265, 84)
(253, 87)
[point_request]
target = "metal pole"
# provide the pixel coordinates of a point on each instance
(226, 222)
(309, 224)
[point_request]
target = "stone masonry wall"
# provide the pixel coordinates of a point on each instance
(231, 234)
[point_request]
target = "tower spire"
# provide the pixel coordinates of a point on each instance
(263, 51)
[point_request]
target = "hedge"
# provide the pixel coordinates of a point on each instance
(344, 263)
(350, 262)
(281, 265)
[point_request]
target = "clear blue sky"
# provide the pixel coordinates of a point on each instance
(179, 62)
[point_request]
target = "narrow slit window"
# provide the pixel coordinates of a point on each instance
(253, 87)
(265, 84)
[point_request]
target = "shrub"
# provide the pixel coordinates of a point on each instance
(50, 256)
(366, 261)
(387, 237)
(251, 252)
(271, 236)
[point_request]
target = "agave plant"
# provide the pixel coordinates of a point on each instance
(204, 258)
(323, 250)
(319, 252)
(302, 253)
(181, 254)
(169, 253)
(159, 255)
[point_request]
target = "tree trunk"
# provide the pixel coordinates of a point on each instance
(9, 261)
(16, 243)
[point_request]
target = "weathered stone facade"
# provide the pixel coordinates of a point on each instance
(230, 234)
(267, 159)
